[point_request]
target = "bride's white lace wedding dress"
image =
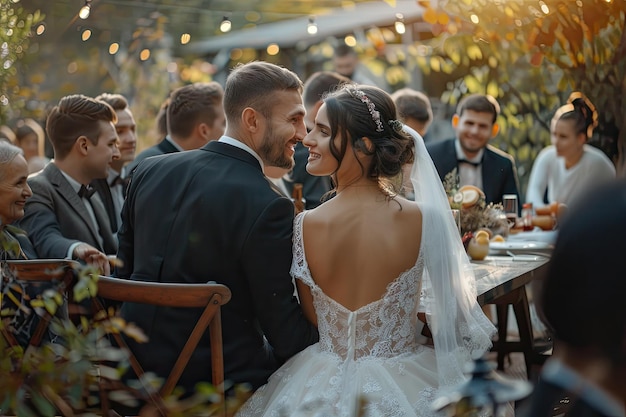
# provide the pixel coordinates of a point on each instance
(367, 363)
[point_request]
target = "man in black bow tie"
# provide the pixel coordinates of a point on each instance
(112, 189)
(475, 161)
(63, 218)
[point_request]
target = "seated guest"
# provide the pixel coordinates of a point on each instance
(14, 192)
(31, 138)
(583, 304)
(469, 157)
(194, 115)
(415, 111)
(62, 218)
(569, 167)
(112, 188)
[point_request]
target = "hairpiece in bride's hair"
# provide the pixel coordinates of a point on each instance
(396, 125)
(371, 107)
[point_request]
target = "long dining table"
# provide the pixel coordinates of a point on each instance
(501, 281)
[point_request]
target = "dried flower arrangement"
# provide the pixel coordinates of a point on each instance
(475, 213)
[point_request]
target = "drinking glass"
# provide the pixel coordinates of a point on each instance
(509, 204)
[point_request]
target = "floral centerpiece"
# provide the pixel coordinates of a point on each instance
(476, 214)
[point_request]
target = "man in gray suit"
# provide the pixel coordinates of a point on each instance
(63, 218)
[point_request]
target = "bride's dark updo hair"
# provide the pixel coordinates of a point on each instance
(580, 110)
(358, 111)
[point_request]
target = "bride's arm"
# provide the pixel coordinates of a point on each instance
(306, 301)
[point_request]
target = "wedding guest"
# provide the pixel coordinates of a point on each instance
(468, 158)
(582, 301)
(14, 192)
(569, 167)
(347, 63)
(30, 136)
(7, 134)
(314, 188)
(61, 218)
(361, 262)
(212, 215)
(415, 111)
(161, 119)
(194, 116)
(112, 188)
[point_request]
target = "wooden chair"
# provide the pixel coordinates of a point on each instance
(40, 271)
(210, 296)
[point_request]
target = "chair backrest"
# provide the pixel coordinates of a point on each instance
(36, 271)
(210, 296)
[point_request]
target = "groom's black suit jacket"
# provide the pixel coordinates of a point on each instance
(211, 215)
(497, 167)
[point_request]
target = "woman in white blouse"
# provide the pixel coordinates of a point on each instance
(570, 166)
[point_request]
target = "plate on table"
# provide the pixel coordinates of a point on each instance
(502, 248)
(534, 236)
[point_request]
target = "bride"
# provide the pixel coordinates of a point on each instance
(368, 262)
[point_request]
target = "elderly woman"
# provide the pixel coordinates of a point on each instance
(14, 191)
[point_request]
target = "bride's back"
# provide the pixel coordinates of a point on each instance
(356, 245)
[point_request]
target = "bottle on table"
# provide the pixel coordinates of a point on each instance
(298, 198)
(527, 216)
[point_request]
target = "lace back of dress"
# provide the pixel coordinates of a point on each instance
(384, 328)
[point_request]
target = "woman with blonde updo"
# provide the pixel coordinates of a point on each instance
(570, 166)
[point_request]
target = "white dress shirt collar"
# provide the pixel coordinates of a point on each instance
(174, 144)
(241, 145)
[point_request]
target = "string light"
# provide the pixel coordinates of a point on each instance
(311, 28)
(144, 54)
(350, 40)
(400, 28)
(273, 49)
(185, 38)
(226, 25)
(86, 35)
(113, 48)
(85, 10)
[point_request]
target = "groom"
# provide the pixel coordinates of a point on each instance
(212, 215)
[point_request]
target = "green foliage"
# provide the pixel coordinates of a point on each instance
(68, 374)
(17, 25)
(531, 55)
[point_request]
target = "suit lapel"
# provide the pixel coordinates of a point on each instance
(489, 172)
(99, 211)
(65, 190)
(104, 191)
